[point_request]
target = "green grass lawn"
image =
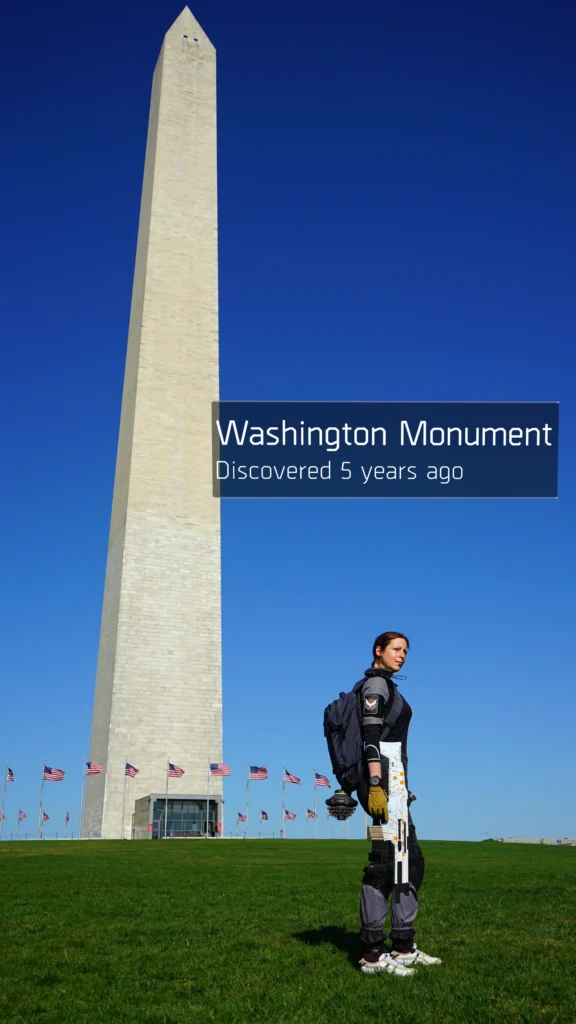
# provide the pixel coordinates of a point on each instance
(246, 932)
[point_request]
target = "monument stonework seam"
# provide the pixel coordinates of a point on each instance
(158, 686)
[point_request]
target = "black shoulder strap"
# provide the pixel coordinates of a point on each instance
(393, 713)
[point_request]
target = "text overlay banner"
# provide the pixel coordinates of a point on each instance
(385, 449)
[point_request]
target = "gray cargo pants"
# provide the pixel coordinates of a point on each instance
(377, 887)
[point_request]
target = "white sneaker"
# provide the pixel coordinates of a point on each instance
(415, 957)
(373, 963)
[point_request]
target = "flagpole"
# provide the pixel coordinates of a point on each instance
(82, 797)
(4, 799)
(124, 799)
(329, 836)
(207, 800)
(222, 810)
(18, 827)
(315, 814)
(306, 823)
(166, 802)
(260, 827)
(66, 826)
(247, 790)
(41, 798)
(283, 801)
(237, 820)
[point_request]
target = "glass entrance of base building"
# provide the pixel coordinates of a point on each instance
(184, 819)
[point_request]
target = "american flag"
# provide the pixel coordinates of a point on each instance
(242, 817)
(310, 814)
(220, 769)
(67, 816)
(2, 816)
(291, 778)
(290, 815)
(21, 815)
(321, 780)
(10, 776)
(92, 768)
(257, 773)
(131, 770)
(45, 817)
(263, 816)
(53, 774)
(174, 772)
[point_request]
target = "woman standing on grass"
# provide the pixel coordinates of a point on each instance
(377, 694)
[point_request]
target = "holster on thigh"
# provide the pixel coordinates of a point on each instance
(380, 871)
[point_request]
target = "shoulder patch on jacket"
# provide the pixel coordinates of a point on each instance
(371, 704)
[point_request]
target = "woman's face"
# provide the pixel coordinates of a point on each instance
(393, 656)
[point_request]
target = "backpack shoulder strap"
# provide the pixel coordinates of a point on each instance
(357, 691)
(393, 713)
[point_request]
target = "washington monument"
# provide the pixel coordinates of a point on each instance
(158, 687)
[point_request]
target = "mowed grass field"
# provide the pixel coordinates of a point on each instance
(266, 931)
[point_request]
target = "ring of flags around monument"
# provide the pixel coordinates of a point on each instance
(255, 773)
(49, 774)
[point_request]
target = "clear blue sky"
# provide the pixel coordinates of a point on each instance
(396, 222)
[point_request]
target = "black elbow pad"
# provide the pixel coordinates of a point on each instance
(372, 752)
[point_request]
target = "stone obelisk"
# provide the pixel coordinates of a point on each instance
(158, 688)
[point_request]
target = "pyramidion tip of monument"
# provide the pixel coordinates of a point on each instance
(186, 26)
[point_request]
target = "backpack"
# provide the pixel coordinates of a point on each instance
(343, 732)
